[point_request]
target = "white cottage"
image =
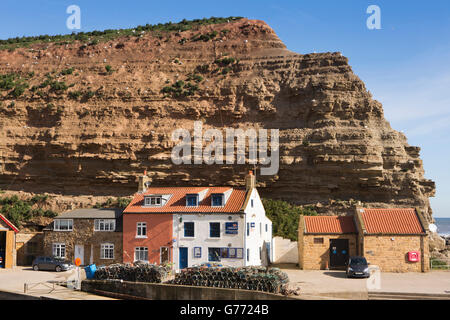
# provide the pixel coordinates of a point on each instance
(224, 225)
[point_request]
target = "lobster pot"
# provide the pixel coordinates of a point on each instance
(127, 272)
(250, 278)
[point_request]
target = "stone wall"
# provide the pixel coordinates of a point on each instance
(28, 246)
(158, 291)
(83, 234)
(389, 252)
(313, 256)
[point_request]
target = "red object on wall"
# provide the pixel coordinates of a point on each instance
(414, 256)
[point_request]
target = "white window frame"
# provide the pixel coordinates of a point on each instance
(57, 225)
(104, 251)
(188, 237)
(160, 254)
(223, 200)
(139, 251)
(220, 230)
(192, 195)
(140, 226)
(59, 246)
(99, 223)
(153, 201)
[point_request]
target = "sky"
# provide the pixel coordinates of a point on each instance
(405, 64)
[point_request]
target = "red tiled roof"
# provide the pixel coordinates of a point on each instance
(2, 217)
(177, 202)
(329, 224)
(391, 221)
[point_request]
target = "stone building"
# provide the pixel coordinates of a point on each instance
(93, 235)
(395, 240)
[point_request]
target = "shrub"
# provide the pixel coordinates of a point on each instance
(108, 69)
(74, 95)
(285, 216)
(67, 71)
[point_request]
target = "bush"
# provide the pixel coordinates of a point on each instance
(285, 216)
(108, 69)
(20, 211)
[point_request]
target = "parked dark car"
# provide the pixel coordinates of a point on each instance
(357, 267)
(51, 263)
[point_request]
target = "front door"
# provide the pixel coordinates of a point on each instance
(79, 252)
(338, 252)
(183, 257)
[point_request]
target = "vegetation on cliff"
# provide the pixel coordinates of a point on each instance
(94, 37)
(19, 211)
(285, 216)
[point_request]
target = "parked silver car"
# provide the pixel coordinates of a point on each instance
(51, 263)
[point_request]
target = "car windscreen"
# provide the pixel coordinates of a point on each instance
(358, 261)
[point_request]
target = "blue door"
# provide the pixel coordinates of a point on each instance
(183, 257)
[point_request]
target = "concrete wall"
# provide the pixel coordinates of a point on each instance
(83, 234)
(389, 252)
(316, 256)
(201, 237)
(156, 291)
(285, 250)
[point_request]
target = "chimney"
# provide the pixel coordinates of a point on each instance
(143, 180)
(250, 181)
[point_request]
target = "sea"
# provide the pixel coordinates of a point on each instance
(443, 226)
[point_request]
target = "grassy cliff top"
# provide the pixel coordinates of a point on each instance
(110, 34)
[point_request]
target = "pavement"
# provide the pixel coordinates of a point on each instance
(335, 282)
(41, 284)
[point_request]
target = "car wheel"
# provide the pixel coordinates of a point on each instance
(36, 267)
(58, 269)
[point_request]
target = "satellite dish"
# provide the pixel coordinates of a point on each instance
(432, 227)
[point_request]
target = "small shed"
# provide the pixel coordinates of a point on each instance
(326, 241)
(7, 243)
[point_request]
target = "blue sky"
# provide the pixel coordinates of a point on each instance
(405, 64)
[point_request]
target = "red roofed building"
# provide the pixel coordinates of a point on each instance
(394, 239)
(194, 225)
(8, 254)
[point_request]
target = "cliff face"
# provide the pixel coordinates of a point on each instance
(96, 136)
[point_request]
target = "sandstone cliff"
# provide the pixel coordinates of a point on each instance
(91, 131)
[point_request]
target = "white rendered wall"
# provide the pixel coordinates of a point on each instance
(255, 213)
(285, 250)
(201, 237)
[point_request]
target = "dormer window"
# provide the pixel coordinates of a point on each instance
(192, 200)
(217, 200)
(153, 201)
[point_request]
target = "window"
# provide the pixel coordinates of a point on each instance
(165, 254)
(141, 231)
(224, 252)
(153, 201)
(59, 250)
(248, 229)
(213, 254)
(63, 225)
(189, 229)
(214, 229)
(260, 228)
(104, 225)
(217, 200)
(192, 200)
(251, 201)
(107, 251)
(248, 254)
(267, 228)
(141, 254)
(232, 253)
(318, 240)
